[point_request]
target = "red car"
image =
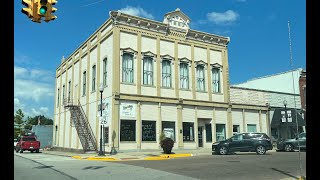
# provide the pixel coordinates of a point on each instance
(28, 143)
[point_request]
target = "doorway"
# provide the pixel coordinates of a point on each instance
(200, 139)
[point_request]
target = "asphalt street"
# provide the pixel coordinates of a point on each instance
(40, 166)
(246, 166)
(272, 166)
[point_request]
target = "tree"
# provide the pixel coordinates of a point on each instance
(18, 122)
(34, 121)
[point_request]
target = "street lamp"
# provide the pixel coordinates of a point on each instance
(101, 153)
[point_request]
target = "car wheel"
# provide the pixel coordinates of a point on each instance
(223, 150)
(260, 149)
(21, 151)
(288, 147)
(17, 150)
(37, 150)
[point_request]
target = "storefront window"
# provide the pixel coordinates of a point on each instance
(220, 132)
(252, 127)
(188, 131)
(148, 130)
(128, 130)
(168, 128)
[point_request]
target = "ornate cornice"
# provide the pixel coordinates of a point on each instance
(163, 28)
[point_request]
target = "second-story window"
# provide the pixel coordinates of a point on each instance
(105, 72)
(84, 83)
(184, 75)
(216, 79)
(166, 73)
(147, 70)
(127, 68)
(200, 78)
(58, 98)
(69, 91)
(63, 91)
(93, 78)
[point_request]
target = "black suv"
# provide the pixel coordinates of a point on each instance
(244, 142)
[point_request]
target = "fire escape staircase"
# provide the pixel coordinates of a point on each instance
(79, 119)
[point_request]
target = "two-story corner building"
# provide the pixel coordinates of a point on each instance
(156, 77)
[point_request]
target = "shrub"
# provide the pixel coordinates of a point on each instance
(167, 145)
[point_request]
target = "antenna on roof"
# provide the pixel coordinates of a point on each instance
(294, 98)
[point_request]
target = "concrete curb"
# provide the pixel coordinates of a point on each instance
(150, 158)
(175, 155)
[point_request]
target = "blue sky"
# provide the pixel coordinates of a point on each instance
(258, 30)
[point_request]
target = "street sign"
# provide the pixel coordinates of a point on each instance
(103, 120)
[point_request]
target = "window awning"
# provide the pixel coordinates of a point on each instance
(278, 118)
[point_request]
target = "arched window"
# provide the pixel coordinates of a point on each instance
(93, 78)
(216, 80)
(166, 73)
(184, 75)
(147, 70)
(127, 67)
(105, 72)
(200, 77)
(84, 82)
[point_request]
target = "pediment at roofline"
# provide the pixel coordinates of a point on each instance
(177, 19)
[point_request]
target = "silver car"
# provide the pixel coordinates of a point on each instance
(292, 144)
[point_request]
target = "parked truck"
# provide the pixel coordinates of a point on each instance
(28, 143)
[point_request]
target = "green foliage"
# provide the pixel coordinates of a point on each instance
(34, 121)
(18, 118)
(167, 145)
(162, 136)
(21, 126)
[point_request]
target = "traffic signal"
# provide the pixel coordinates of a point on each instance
(50, 9)
(42, 7)
(30, 10)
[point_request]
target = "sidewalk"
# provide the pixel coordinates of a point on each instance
(132, 155)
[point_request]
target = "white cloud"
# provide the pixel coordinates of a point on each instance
(44, 110)
(136, 11)
(32, 89)
(29, 89)
(18, 105)
(223, 18)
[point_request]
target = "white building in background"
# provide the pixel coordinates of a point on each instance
(280, 82)
(157, 77)
(274, 90)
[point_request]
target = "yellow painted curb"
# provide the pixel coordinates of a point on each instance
(76, 157)
(156, 158)
(175, 155)
(102, 159)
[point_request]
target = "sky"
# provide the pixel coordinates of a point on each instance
(258, 31)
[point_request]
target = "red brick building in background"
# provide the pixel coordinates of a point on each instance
(303, 90)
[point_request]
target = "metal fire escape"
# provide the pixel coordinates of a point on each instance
(79, 119)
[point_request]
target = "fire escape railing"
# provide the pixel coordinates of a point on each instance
(82, 125)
